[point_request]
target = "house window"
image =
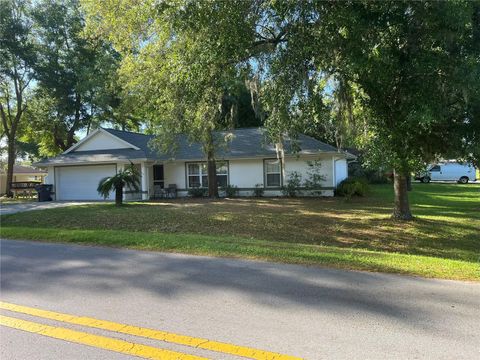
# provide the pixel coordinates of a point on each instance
(158, 176)
(222, 174)
(197, 174)
(273, 173)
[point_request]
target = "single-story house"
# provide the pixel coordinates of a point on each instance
(248, 161)
(21, 173)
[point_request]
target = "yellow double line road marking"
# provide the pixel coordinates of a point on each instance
(120, 346)
(130, 330)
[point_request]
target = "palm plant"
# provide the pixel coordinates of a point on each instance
(129, 177)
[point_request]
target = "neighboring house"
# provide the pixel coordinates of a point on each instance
(21, 173)
(247, 161)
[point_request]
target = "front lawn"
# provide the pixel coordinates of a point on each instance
(443, 241)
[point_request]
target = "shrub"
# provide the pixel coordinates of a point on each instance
(352, 187)
(293, 184)
(373, 175)
(258, 191)
(377, 177)
(197, 192)
(231, 191)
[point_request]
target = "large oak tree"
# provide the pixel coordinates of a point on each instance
(183, 61)
(17, 57)
(419, 65)
(413, 67)
(75, 76)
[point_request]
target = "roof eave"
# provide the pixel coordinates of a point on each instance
(87, 162)
(258, 156)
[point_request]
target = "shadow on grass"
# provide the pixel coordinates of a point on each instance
(443, 228)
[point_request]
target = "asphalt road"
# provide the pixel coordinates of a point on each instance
(302, 311)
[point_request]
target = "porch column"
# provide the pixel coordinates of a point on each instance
(334, 168)
(145, 178)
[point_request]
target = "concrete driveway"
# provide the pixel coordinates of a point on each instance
(29, 206)
(307, 312)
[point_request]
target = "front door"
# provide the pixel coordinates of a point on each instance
(158, 178)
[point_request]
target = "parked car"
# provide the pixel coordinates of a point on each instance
(449, 171)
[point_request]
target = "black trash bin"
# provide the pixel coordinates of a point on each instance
(44, 192)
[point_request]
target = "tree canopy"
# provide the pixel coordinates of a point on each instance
(69, 80)
(418, 65)
(17, 58)
(181, 60)
(74, 76)
(399, 78)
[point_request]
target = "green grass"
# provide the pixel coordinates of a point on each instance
(443, 241)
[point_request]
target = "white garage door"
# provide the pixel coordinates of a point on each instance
(81, 182)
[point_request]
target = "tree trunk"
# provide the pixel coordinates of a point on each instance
(11, 122)
(211, 168)
(118, 196)
(10, 163)
(281, 157)
(212, 176)
(70, 140)
(409, 181)
(402, 207)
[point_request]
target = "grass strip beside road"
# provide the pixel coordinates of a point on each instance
(228, 246)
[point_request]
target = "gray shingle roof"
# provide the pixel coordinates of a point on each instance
(245, 143)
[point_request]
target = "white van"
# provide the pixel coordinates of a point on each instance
(449, 171)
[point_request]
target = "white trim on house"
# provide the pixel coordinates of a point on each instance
(109, 161)
(259, 157)
(92, 134)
